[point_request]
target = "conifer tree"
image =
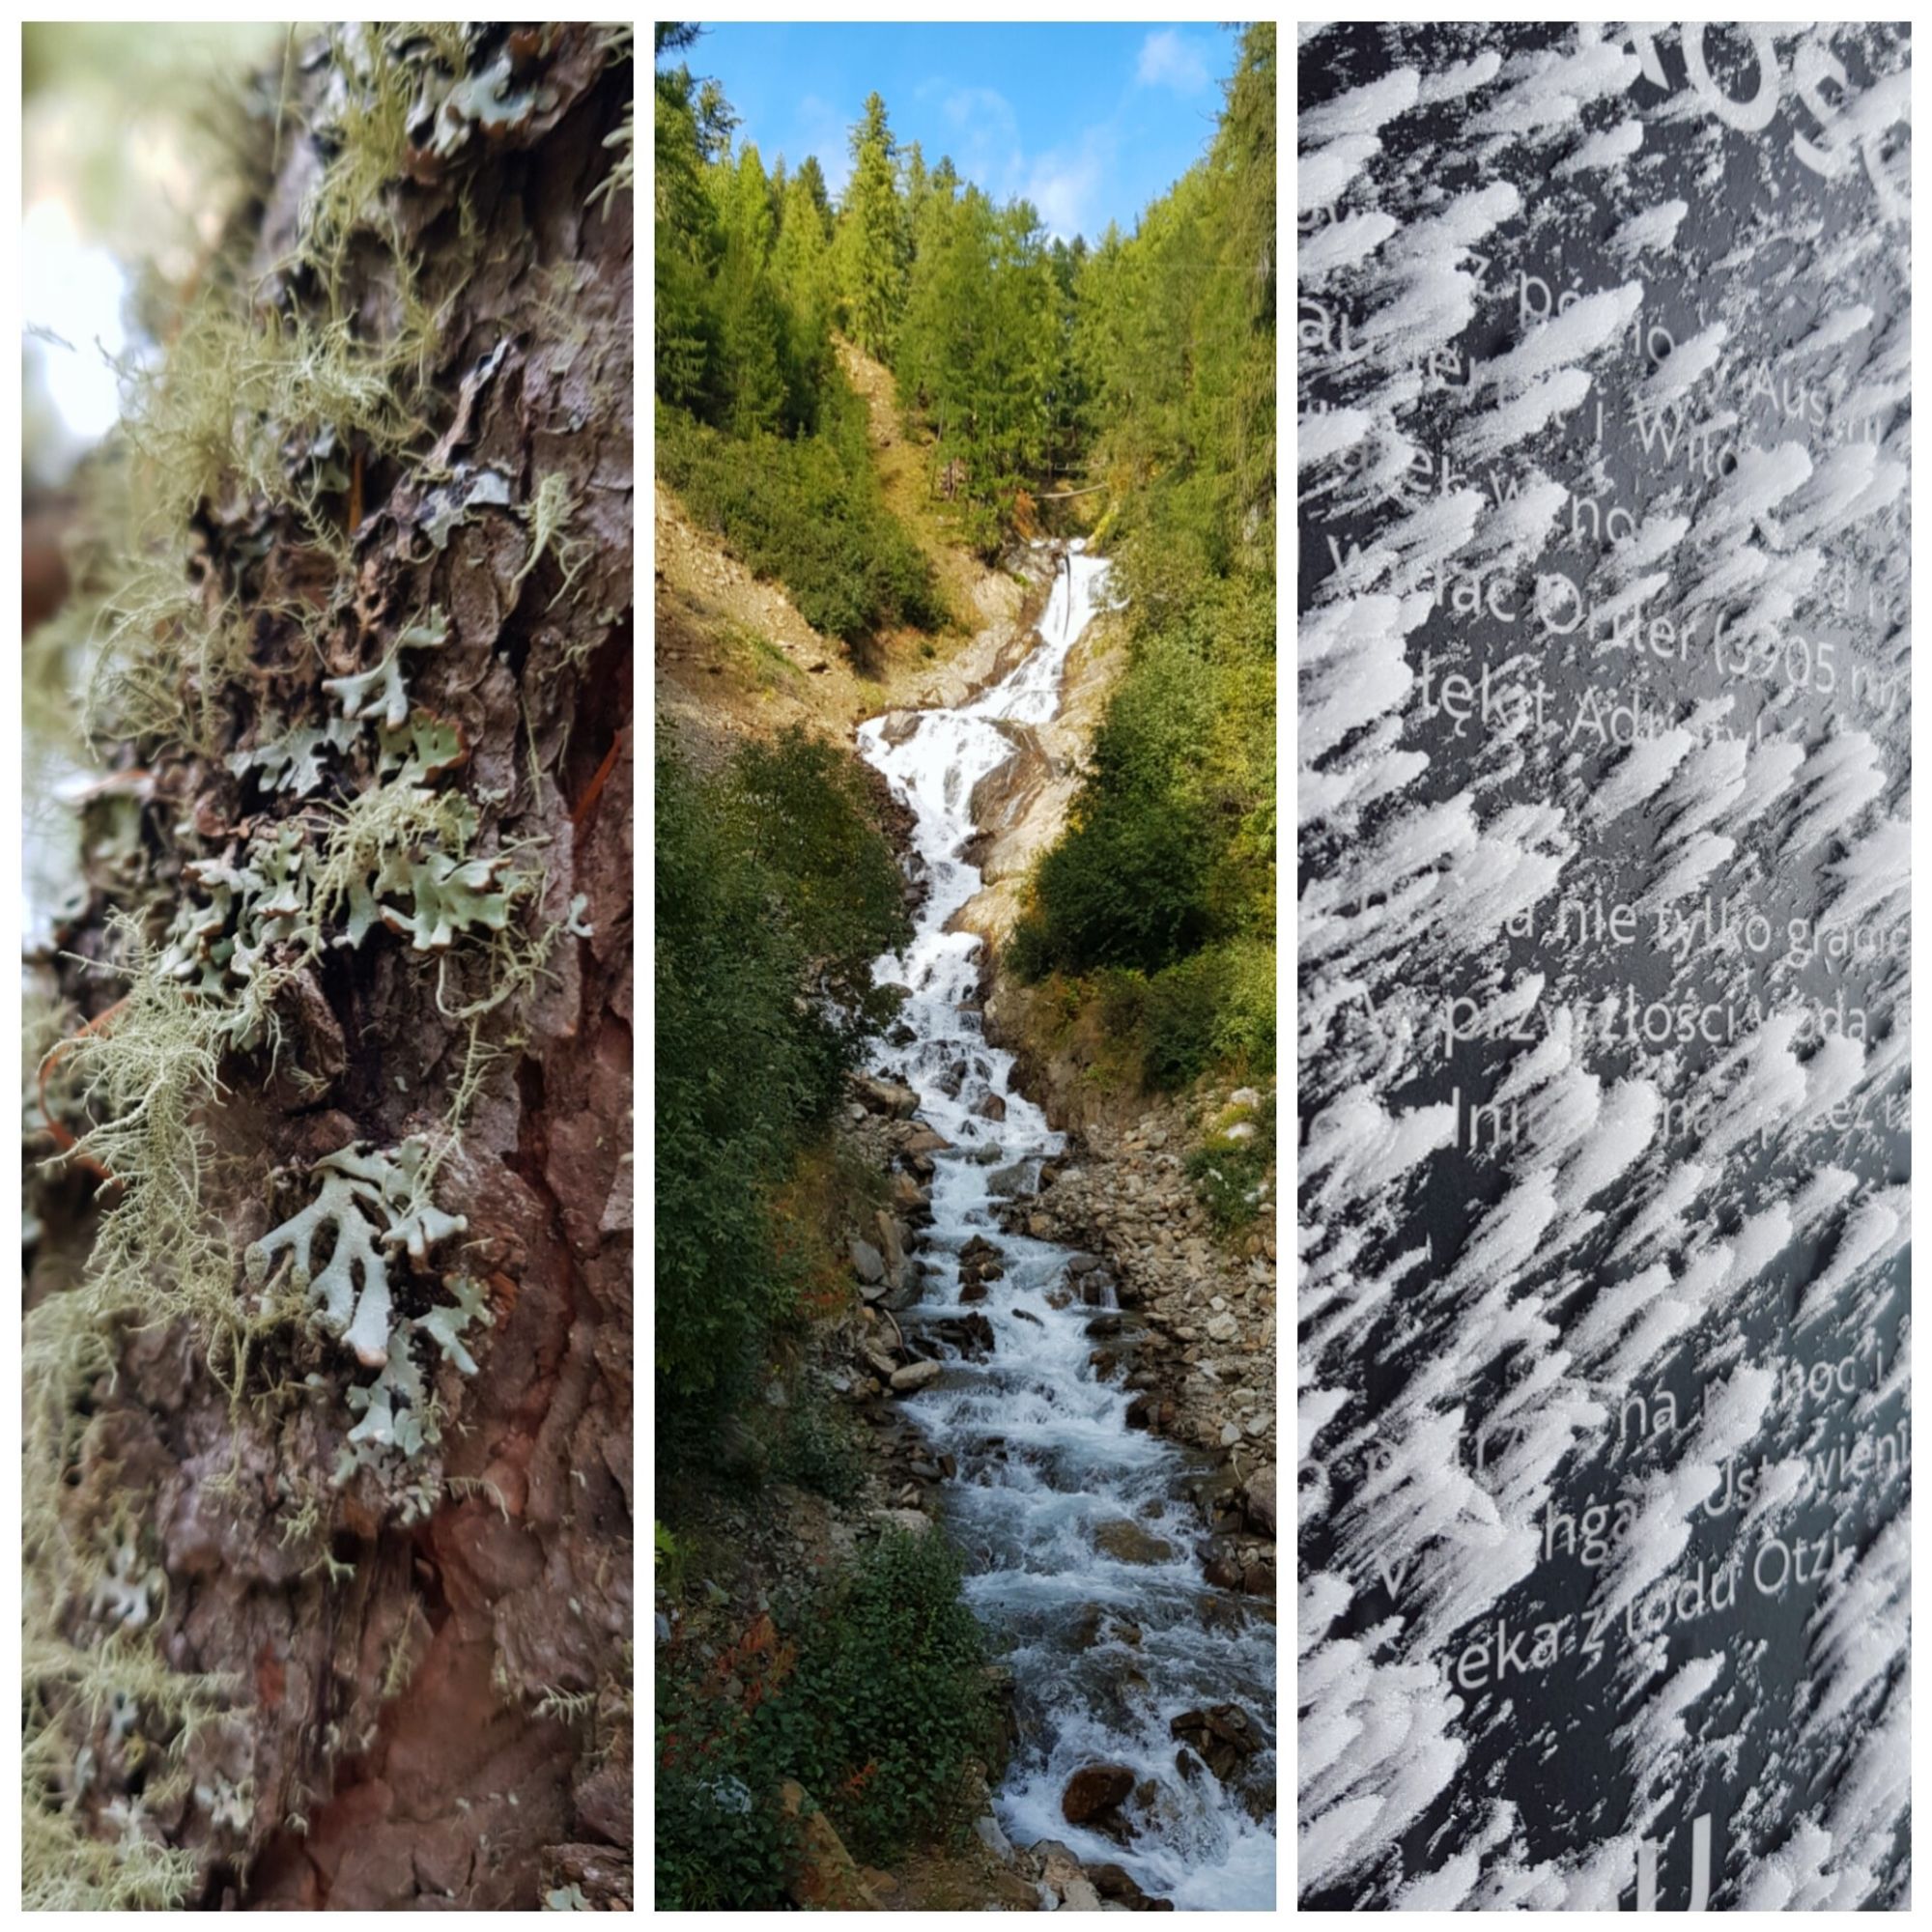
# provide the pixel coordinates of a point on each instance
(872, 242)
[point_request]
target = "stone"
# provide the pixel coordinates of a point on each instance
(986, 1829)
(885, 1097)
(1241, 1130)
(923, 1141)
(823, 1876)
(1230, 1434)
(1222, 1329)
(1004, 1182)
(1079, 1896)
(913, 1521)
(1095, 1792)
(972, 1290)
(1128, 1543)
(1223, 1736)
(916, 1376)
(1260, 1423)
(991, 1108)
(867, 1263)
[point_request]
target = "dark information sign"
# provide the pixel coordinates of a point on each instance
(1603, 797)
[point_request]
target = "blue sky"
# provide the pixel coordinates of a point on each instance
(1089, 122)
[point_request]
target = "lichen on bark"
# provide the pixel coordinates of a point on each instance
(387, 455)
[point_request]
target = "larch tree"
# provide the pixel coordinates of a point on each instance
(328, 1472)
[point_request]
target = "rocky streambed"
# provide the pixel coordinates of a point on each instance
(1122, 1563)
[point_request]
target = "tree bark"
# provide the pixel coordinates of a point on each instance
(444, 1721)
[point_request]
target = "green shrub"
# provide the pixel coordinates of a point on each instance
(1227, 1175)
(890, 1704)
(1214, 1010)
(815, 1449)
(775, 893)
(806, 510)
(720, 1840)
(872, 1697)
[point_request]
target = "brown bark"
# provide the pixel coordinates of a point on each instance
(395, 1712)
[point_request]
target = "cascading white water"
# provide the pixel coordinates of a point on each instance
(1046, 1462)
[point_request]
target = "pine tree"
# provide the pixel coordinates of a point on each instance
(872, 238)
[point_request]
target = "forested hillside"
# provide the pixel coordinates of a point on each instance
(1038, 389)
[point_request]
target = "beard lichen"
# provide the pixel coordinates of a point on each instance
(291, 808)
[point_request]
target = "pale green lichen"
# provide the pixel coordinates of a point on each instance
(371, 1202)
(399, 1419)
(379, 692)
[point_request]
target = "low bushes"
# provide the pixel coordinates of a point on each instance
(775, 893)
(808, 511)
(872, 1696)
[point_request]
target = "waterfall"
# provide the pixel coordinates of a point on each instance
(1078, 1531)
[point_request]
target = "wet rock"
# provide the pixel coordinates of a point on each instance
(1119, 1887)
(1258, 1580)
(991, 1108)
(972, 1290)
(989, 1155)
(1128, 1543)
(1007, 1182)
(1223, 1736)
(1103, 1327)
(1026, 1315)
(1095, 1792)
(923, 1141)
(977, 1249)
(916, 1376)
(971, 1334)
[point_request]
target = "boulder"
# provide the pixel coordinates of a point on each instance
(885, 1097)
(1258, 1500)
(1223, 1736)
(916, 1376)
(823, 1875)
(1127, 1542)
(1095, 1792)
(867, 1263)
(991, 1108)
(972, 1290)
(923, 1141)
(1117, 1885)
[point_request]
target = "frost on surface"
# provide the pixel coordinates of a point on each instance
(1603, 797)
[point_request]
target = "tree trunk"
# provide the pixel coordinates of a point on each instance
(371, 1679)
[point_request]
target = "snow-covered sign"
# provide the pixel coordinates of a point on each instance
(1604, 796)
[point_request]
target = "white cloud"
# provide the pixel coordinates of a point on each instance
(1061, 184)
(1169, 59)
